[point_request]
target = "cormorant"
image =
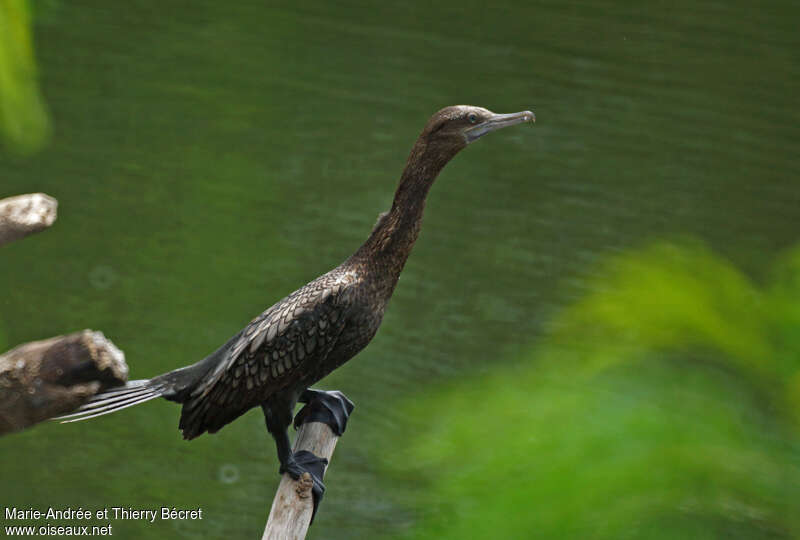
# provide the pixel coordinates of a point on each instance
(293, 344)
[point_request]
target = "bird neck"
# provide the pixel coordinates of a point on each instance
(396, 231)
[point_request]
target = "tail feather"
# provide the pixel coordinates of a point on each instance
(107, 400)
(115, 399)
(111, 406)
(127, 387)
(175, 385)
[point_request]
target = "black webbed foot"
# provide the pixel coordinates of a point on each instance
(331, 408)
(305, 461)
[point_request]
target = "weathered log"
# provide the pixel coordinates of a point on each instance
(43, 379)
(293, 505)
(25, 214)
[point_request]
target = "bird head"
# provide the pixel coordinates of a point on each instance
(448, 132)
(459, 125)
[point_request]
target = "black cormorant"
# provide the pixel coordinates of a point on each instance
(293, 344)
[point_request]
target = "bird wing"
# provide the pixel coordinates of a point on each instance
(289, 337)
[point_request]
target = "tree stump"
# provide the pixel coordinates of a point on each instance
(42, 379)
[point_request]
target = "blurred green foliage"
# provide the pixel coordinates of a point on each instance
(681, 296)
(24, 123)
(659, 406)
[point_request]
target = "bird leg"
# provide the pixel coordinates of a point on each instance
(278, 417)
(331, 408)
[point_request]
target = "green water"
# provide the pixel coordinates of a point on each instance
(211, 157)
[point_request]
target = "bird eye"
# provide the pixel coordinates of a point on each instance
(473, 118)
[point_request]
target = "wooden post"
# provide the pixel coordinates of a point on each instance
(25, 214)
(293, 505)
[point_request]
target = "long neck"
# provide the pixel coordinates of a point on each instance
(396, 231)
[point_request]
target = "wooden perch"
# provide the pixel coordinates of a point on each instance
(42, 379)
(25, 214)
(293, 505)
